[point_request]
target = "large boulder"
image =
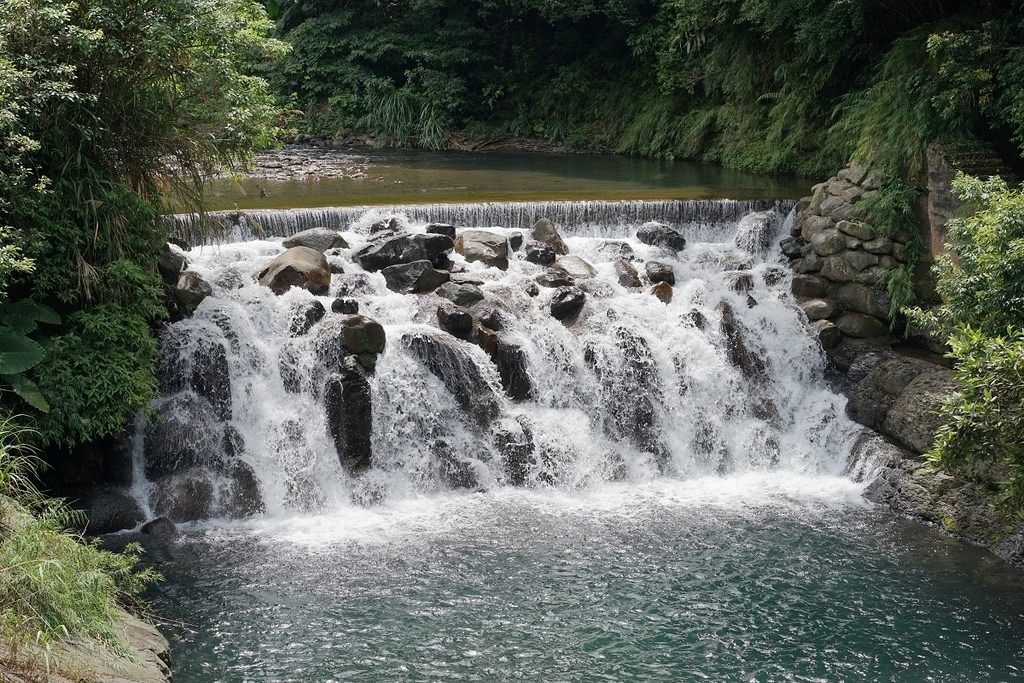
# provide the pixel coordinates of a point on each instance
(185, 496)
(660, 272)
(405, 249)
(414, 278)
(108, 510)
(545, 231)
(514, 441)
(489, 248)
(320, 239)
(914, 418)
(751, 365)
(660, 235)
(575, 267)
(350, 416)
(297, 267)
(454, 320)
(171, 263)
(876, 394)
(449, 360)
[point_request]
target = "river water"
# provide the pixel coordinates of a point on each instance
(679, 518)
(396, 177)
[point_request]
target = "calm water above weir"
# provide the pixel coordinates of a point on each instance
(668, 502)
(390, 177)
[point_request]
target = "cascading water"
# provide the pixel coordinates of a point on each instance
(650, 490)
(723, 378)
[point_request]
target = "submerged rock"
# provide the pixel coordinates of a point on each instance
(448, 360)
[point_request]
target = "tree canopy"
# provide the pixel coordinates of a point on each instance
(105, 107)
(798, 85)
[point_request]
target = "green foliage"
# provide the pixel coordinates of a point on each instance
(795, 85)
(22, 347)
(983, 420)
(107, 107)
(53, 586)
(890, 210)
(982, 287)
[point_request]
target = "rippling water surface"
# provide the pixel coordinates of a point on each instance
(749, 577)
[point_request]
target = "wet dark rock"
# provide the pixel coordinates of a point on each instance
(210, 377)
(160, 528)
(450, 361)
(414, 278)
(304, 315)
(183, 434)
(455, 320)
(241, 496)
(554, 278)
(190, 291)
(107, 510)
(185, 496)
(697, 319)
(792, 247)
(740, 282)
(460, 294)
(661, 235)
(660, 272)
(386, 227)
(403, 249)
(297, 267)
(455, 473)
(349, 407)
(514, 442)
(515, 240)
(544, 231)
(626, 274)
(914, 418)
(171, 263)
(616, 249)
(489, 248)
(752, 366)
(860, 326)
(448, 231)
(540, 253)
(493, 318)
(353, 284)
(288, 367)
(567, 302)
(809, 287)
(233, 444)
(532, 289)
(662, 291)
(320, 239)
(345, 305)
(339, 337)
(512, 363)
(876, 394)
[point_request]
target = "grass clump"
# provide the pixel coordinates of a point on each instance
(55, 588)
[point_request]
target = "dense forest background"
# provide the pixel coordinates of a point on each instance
(789, 85)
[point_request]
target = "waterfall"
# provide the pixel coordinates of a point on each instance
(706, 220)
(724, 378)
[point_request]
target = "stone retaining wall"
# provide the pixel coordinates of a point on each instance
(841, 262)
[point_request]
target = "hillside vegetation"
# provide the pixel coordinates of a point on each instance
(795, 85)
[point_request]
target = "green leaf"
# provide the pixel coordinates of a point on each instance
(23, 315)
(28, 391)
(18, 353)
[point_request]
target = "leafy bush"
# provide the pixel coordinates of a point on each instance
(982, 287)
(106, 108)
